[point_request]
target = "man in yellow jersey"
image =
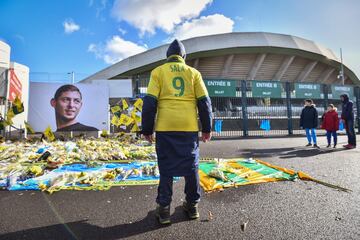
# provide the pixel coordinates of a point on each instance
(176, 97)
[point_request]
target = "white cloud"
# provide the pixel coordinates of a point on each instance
(147, 15)
(206, 25)
(100, 9)
(70, 26)
(122, 31)
(115, 49)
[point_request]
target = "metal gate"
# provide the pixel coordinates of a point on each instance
(245, 115)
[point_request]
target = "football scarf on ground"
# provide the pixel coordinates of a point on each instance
(220, 174)
(214, 175)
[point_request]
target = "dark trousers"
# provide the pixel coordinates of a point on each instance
(350, 132)
(328, 136)
(192, 189)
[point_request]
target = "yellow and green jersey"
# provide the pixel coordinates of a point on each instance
(177, 87)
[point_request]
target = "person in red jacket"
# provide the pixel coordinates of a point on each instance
(331, 124)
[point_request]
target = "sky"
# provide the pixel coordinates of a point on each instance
(54, 38)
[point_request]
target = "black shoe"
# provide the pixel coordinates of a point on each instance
(316, 146)
(329, 145)
(191, 210)
(308, 145)
(163, 214)
(334, 145)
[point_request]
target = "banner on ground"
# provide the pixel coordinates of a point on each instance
(214, 175)
(235, 172)
(67, 107)
(85, 177)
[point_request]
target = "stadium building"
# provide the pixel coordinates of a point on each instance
(237, 69)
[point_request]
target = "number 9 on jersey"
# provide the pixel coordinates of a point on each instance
(179, 84)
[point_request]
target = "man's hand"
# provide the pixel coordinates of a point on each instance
(149, 138)
(205, 137)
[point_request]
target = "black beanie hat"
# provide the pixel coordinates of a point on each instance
(345, 96)
(176, 48)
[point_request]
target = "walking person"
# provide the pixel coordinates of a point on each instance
(309, 122)
(347, 116)
(176, 97)
(331, 124)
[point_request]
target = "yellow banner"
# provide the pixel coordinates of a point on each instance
(9, 116)
(17, 104)
(128, 120)
(115, 109)
(136, 116)
(139, 104)
(115, 121)
(28, 127)
(49, 134)
(124, 104)
(135, 128)
(122, 119)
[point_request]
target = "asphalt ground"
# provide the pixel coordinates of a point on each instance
(279, 210)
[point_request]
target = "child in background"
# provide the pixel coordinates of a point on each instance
(331, 124)
(309, 122)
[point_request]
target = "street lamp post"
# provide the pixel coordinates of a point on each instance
(342, 68)
(72, 76)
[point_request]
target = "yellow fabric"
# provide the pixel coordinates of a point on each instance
(17, 103)
(136, 117)
(138, 104)
(128, 120)
(49, 134)
(115, 120)
(122, 119)
(286, 170)
(9, 116)
(135, 128)
(177, 87)
(125, 120)
(115, 109)
(209, 183)
(125, 104)
(37, 170)
(29, 128)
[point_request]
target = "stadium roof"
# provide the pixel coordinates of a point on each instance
(230, 43)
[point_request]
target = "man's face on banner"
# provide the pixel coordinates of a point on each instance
(68, 105)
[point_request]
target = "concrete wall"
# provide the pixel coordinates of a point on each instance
(4, 66)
